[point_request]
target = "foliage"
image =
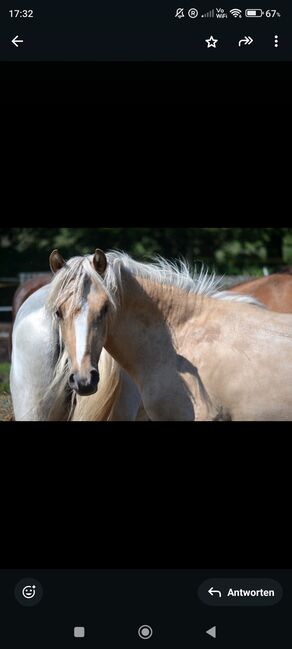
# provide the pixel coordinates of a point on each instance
(4, 378)
(228, 250)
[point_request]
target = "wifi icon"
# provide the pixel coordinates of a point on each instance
(236, 13)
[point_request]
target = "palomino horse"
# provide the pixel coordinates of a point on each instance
(192, 352)
(275, 291)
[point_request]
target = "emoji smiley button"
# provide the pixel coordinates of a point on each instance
(28, 592)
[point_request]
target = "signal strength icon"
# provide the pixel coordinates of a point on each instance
(236, 13)
(209, 14)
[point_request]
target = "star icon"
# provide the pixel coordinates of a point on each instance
(211, 42)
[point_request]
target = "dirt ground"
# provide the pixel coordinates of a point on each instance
(5, 407)
(5, 399)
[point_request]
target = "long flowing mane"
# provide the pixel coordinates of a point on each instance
(71, 279)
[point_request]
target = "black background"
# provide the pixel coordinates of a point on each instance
(126, 84)
(146, 495)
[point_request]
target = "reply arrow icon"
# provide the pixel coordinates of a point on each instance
(212, 592)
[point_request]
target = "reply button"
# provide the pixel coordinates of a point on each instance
(240, 592)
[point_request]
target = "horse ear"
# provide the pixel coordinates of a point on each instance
(56, 261)
(99, 261)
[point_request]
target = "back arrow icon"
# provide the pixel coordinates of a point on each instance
(247, 40)
(16, 40)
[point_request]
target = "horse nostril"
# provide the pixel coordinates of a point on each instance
(71, 380)
(94, 377)
(84, 385)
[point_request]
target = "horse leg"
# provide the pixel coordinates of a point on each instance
(128, 403)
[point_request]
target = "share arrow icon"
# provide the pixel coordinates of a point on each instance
(247, 40)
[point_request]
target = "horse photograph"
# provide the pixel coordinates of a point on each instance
(107, 336)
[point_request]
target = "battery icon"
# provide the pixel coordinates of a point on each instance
(254, 13)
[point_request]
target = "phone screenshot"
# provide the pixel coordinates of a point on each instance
(145, 408)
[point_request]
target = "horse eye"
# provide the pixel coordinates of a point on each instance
(59, 314)
(104, 310)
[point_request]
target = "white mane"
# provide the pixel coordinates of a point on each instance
(71, 279)
(180, 275)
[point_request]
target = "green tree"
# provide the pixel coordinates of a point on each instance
(228, 250)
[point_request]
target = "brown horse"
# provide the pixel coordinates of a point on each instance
(22, 293)
(275, 291)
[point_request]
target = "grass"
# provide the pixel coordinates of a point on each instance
(4, 378)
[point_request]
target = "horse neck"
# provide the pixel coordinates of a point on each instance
(142, 337)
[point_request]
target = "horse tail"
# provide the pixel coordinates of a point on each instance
(99, 406)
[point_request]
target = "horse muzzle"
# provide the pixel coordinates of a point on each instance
(84, 385)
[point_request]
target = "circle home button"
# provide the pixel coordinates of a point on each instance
(145, 632)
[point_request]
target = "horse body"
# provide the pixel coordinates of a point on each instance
(238, 361)
(34, 344)
(275, 291)
(22, 293)
(220, 361)
(28, 288)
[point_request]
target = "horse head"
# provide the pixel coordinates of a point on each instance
(81, 306)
